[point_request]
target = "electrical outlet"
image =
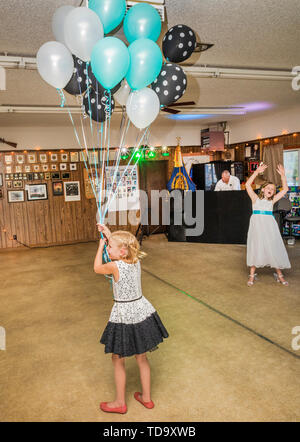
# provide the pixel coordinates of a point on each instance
(15, 237)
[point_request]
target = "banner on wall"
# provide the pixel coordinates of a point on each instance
(190, 159)
(123, 184)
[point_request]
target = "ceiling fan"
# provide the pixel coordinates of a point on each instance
(9, 143)
(175, 111)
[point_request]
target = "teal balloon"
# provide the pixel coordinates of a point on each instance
(142, 21)
(110, 12)
(145, 63)
(110, 61)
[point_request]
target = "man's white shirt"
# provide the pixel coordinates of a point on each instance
(233, 184)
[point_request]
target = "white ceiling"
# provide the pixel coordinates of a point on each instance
(261, 34)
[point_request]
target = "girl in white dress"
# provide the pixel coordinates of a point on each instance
(265, 246)
(134, 326)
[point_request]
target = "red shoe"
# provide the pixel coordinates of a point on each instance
(121, 410)
(138, 397)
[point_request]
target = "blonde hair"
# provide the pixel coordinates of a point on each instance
(261, 194)
(129, 241)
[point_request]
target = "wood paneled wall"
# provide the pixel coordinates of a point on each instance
(46, 222)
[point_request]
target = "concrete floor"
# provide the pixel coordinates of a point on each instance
(229, 357)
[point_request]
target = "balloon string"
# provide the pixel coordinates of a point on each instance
(62, 97)
(94, 159)
(135, 150)
(123, 135)
(105, 254)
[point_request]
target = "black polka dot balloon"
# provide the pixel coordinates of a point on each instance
(96, 105)
(98, 86)
(171, 84)
(78, 83)
(179, 43)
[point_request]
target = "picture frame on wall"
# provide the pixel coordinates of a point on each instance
(36, 192)
(18, 169)
(8, 169)
(9, 184)
(55, 175)
(31, 158)
(36, 168)
(27, 168)
(53, 157)
(45, 167)
(83, 156)
(72, 190)
(17, 184)
(8, 159)
(30, 176)
(57, 188)
(63, 166)
(53, 166)
(47, 176)
(20, 159)
(73, 166)
(7, 176)
(64, 157)
(93, 157)
(74, 157)
(65, 175)
(15, 196)
(43, 158)
(36, 176)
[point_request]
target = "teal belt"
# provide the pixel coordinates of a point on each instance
(262, 212)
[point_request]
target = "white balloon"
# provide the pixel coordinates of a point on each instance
(83, 28)
(58, 22)
(122, 94)
(142, 107)
(55, 64)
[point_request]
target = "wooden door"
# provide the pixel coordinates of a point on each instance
(153, 176)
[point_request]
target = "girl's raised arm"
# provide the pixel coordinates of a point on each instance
(250, 180)
(109, 268)
(279, 195)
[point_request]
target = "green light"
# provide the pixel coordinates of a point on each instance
(151, 154)
(125, 156)
(165, 154)
(137, 155)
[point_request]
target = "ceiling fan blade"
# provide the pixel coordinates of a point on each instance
(183, 103)
(170, 111)
(9, 143)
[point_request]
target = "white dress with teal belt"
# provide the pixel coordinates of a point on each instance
(265, 246)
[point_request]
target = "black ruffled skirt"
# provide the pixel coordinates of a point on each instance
(131, 339)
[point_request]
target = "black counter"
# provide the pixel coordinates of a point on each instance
(226, 219)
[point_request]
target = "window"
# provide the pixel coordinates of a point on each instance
(291, 160)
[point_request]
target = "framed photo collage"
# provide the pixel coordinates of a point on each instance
(29, 176)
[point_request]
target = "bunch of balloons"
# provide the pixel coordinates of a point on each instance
(84, 60)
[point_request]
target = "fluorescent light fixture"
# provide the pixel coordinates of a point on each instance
(246, 74)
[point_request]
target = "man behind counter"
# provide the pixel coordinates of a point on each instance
(228, 182)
